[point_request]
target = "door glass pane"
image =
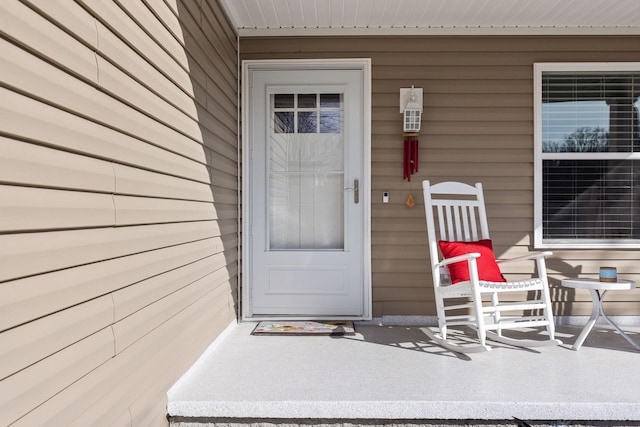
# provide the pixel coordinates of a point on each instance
(307, 122)
(307, 100)
(330, 100)
(283, 122)
(306, 174)
(330, 121)
(283, 100)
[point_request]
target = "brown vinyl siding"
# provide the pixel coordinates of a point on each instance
(119, 188)
(477, 126)
(118, 204)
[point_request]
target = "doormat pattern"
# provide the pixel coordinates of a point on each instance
(305, 327)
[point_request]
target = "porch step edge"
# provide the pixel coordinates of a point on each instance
(298, 411)
(391, 423)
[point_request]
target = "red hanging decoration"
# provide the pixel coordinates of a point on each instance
(410, 160)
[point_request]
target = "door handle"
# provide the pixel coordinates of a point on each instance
(356, 191)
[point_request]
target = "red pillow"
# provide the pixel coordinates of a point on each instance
(487, 267)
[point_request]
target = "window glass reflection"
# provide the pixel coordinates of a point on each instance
(283, 122)
(330, 100)
(587, 113)
(591, 199)
(330, 121)
(307, 100)
(283, 100)
(307, 122)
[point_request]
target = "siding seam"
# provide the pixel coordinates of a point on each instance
(95, 52)
(113, 195)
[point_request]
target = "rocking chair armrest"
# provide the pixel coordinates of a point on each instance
(532, 255)
(465, 257)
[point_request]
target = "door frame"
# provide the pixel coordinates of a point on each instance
(248, 66)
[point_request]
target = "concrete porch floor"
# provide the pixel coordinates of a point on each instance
(395, 373)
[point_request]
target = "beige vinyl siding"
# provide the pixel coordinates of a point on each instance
(118, 204)
(477, 126)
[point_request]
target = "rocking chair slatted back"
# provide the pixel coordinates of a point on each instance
(458, 219)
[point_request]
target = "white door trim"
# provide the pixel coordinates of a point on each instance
(363, 64)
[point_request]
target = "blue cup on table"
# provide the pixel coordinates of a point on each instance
(608, 274)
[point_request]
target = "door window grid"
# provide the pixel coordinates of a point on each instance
(307, 113)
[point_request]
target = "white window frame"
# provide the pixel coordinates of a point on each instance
(539, 156)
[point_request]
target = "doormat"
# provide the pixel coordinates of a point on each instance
(305, 327)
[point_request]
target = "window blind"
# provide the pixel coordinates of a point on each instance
(590, 173)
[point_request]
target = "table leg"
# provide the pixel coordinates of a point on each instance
(595, 312)
(624, 335)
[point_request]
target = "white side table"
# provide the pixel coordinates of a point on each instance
(598, 290)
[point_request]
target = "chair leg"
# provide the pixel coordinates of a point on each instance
(442, 322)
(548, 313)
(477, 307)
(546, 298)
(496, 314)
(443, 329)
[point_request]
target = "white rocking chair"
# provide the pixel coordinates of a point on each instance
(459, 212)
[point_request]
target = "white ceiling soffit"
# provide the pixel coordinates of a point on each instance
(414, 17)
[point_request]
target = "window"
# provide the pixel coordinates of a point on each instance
(587, 155)
(306, 170)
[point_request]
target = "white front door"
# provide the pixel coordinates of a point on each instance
(307, 206)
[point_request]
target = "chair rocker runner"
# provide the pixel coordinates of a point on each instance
(458, 212)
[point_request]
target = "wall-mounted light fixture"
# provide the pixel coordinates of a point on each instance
(411, 107)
